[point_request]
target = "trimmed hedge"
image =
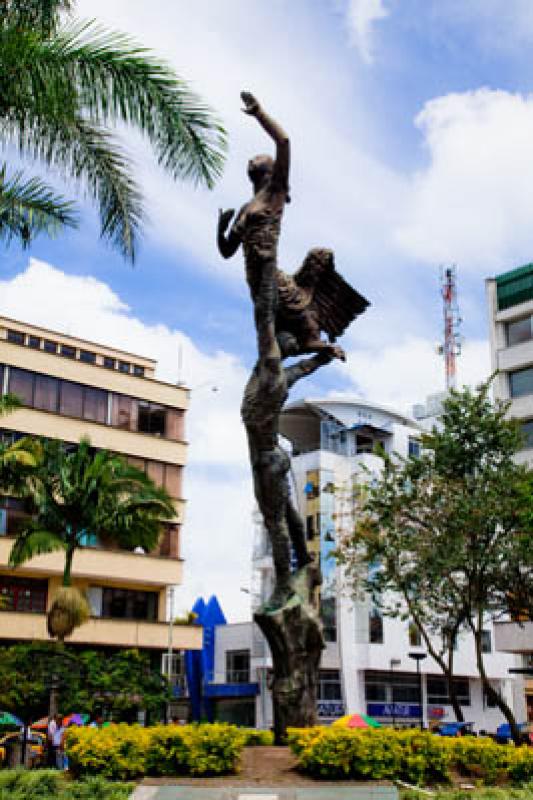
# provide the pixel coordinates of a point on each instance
(257, 738)
(414, 756)
(123, 752)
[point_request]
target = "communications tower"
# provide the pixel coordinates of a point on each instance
(451, 348)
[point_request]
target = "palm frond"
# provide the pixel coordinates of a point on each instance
(120, 81)
(9, 403)
(29, 207)
(32, 542)
(91, 156)
(42, 15)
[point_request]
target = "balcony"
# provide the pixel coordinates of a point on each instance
(94, 563)
(514, 637)
(110, 632)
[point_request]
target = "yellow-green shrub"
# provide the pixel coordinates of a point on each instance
(414, 756)
(116, 751)
(129, 751)
(257, 738)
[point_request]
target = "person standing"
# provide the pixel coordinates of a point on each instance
(53, 725)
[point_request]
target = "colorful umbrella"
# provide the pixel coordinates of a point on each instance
(74, 719)
(356, 721)
(6, 718)
(41, 724)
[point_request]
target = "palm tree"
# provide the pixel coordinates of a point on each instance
(61, 88)
(19, 458)
(76, 492)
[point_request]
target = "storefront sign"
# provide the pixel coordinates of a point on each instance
(398, 710)
(330, 708)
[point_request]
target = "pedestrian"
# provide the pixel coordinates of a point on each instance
(53, 724)
(57, 740)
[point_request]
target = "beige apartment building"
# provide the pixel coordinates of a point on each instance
(73, 388)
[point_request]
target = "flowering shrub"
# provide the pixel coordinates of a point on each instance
(129, 751)
(414, 756)
(257, 738)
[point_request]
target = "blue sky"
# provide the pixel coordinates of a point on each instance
(411, 124)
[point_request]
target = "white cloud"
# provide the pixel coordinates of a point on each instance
(473, 203)
(362, 16)
(217, 531)
(404, 373)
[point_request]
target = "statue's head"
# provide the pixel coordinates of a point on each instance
(317, 261)
(260, 169)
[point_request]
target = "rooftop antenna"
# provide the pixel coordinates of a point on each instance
(451, 348)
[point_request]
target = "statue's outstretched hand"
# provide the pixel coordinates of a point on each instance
(251, 105)
(224, 218)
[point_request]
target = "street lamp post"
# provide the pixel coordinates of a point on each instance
(418, 657)
(394, 662)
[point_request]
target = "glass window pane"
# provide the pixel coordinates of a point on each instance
(109, 363)
(71, 399)
(521, 382)
(173, 475)
(15, 337)
(67, 351)
(124, 366)
(156, 471)
(50, 347)
(87, 357)
(46, 391)
(35, 342)
(375, 625)
(124, 414)
(527, 432)
(95, 404)
(175, 424)
(21, 384)
(138, 371)
(519, 331)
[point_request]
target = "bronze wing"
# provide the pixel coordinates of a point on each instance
(336, 303)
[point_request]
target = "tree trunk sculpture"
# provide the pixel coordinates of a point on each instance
(289, 314)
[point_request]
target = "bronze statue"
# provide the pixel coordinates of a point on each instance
(316, 298)
(289, 315)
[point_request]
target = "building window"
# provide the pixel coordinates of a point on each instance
(21, 384)
(138, 371)
(173, 480)
(413, 447)
(45, 393)
(175, 419)
(488, 700)
(310, 527)
(526, 429)
(519, 330)
(124, 366)
(329, 685)
(67, 351)
(35, 342)
(23, 595)
(129, 604)
(15, 337)
(486, 643)
(415, 639)
(109, 363)
(437, 689)
(328, 615)
(521, 382)
(71, 399)
(376, 687)
(151, 418)
(50, 347)
(94, 404)
(375, 627)
(125, 412)
(238, 666)
(87, 357)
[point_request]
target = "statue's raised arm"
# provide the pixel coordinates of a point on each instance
(280, 175)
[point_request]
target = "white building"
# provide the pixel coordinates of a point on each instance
(510, 305)
(366, 665)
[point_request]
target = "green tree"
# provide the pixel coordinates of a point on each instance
(76, 492)
(450, 532)
(62, 87)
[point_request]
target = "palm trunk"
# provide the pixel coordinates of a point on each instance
(67, 573)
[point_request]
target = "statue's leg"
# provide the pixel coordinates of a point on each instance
(297, 535)
(270, 469)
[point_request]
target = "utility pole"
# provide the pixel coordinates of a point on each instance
(451, 347)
